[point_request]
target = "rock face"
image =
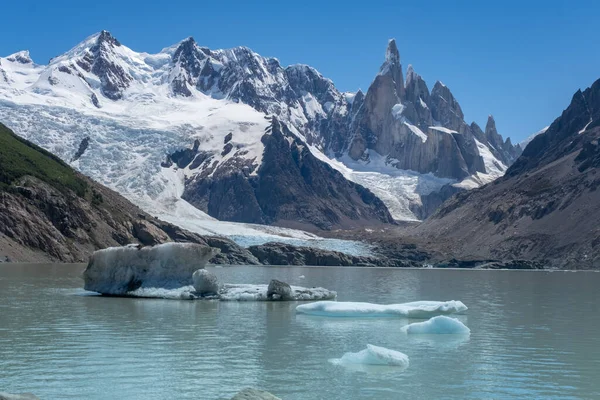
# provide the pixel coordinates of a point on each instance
(545, 209)
(205, 282)
(284, 254)
(49, 212)
(422, 131)
(291, 187)
(98, 59)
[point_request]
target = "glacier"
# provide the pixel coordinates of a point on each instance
(374, 355)
(417, 309)
(438, 325)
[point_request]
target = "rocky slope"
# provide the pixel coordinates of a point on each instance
(132, 109)
(547, 206)
(291, 187)
(49, 212)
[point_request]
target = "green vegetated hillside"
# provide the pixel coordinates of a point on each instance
(50, 212)
(19, 158)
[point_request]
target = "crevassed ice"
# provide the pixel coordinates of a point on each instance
(438, 325)
(417, 309)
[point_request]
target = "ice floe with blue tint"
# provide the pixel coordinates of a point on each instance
(417, 309)
(374, 355)
(438, 325)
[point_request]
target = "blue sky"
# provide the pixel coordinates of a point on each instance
(518, 60)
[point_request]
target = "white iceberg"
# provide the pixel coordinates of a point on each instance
(438, 325)
(417, 309)
(175, 271)
(119, 270)
(259, 293)
(231, 292)
(374, 355)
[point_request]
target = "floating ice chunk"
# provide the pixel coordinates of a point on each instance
(205, 282)
(417, 309)
(181, 293)
(438, 325)
(374, 355)
(119, 270)
(230, 292)
(259, 293)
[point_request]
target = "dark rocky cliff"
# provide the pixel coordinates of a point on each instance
(547, 206)
(290, 188)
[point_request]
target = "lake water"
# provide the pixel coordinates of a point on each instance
(534, 335)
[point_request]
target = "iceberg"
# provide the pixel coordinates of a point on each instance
(260, 293)
(438, 325)
(176, 271)
(417, 309)
(231, 292)
(374, 355)
(120, 270)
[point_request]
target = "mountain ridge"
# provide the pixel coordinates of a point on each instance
(110, 89)
(545, 208)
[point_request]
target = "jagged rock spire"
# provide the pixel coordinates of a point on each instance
(411, 75)
(392, 55)
(490, 126)
(445, 108)
(392, 67)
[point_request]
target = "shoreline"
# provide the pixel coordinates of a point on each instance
(83, 264)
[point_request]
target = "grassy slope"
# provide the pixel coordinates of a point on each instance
(19, 157)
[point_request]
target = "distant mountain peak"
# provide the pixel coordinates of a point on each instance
(21, 57)
(491, 123)
(106, 37)
(411, 75)
(392, 55)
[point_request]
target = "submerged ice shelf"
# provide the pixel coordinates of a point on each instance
(417, 309)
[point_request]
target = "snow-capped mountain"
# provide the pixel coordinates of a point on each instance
(182, 122)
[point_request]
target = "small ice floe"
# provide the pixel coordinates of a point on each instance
(438, 325)
(301, 277)
(417, 309)
(374, 355)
